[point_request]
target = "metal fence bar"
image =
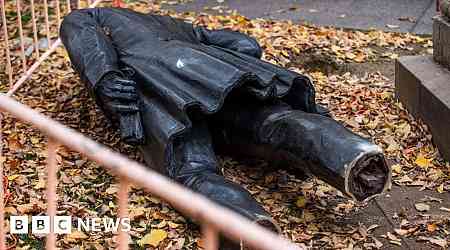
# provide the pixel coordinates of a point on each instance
(58, 15)
(52, 183)
(210, 237)
(35, 32)
(33, 67)
(22, 45)
(68, 6)
(6, 37)
(47, 24)
(123, 212)
(194, 205)
(41, 59)
(2, 191)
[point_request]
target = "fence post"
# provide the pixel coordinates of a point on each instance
(47, 24)
(209, 237)
(58, 15)
(6, 37)
(52, 183)
(22, 42)
(35, 32)
(2, 191)
(123, 212)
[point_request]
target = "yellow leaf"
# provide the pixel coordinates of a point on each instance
(35, 140)
(360, 57)
(335, 48)
(40, 184)
(296, 50)
(112, 189)
(393, 147)
(398, 243)
(431, 227)
(423, 162)
(440, 189)
(173, 225)
(301, 202)
(14, 144)
(153, 238)
(397, 168)
(350, 55)
(76, 236)
(13, 177)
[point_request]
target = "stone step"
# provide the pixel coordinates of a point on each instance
(424, 88)
(441, 40)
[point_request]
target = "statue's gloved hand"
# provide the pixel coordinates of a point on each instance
(229, 39)
(119, 99)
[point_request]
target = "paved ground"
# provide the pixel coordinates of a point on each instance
(384, 212)
(387, 211)
(398, 15)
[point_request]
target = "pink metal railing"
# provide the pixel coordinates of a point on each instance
(52, 183)
(47, 23)
(213, 218)
(42, 58)
(123, 211)
(35, 32)
(6, 39)
(19, 24)
(2, 193)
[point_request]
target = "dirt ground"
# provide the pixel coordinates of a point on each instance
(384, 210)
(377, 63)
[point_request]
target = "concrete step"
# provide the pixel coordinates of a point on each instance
(423, 86)
(441, 41)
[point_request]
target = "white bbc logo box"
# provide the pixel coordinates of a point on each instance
(41, 224)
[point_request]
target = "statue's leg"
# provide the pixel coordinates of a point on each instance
(315, 143)
(197, 168)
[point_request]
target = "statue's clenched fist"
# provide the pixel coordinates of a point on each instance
(119, 98)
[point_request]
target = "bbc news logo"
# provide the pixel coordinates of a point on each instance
(63, 224)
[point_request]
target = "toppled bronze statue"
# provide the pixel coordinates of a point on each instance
(176, 91)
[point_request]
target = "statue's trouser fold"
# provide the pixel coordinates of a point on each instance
(314, 143)
(197, 168)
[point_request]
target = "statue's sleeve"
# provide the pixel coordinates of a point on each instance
(229, 39)
(90, 50)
